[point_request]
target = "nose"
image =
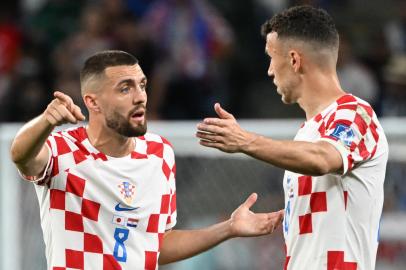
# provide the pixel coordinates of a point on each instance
(270, 71)
(139, 96)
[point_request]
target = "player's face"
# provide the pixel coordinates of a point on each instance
(280, 68)
(124, 100)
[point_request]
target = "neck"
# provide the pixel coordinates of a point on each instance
(319, 92)
(108, 141)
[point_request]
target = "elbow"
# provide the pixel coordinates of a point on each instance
(15, 155)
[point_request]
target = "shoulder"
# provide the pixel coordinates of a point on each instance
(152, 137)
(157, 145)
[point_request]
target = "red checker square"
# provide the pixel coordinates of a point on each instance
(153, 223)
(110, 263)
(73, 221)
(57, 198)
(75, 185)
(151, 258)
(61, 146)
(362, 126)
(58, 268)
(318, 202)
(174, 169)
(335, 260)
(55, 167)
(305, 185)
(136, 155)
(350, 266)
(173, 203)
(92, 243)
(305, 224)
(74, 259)
(78, 156)
(155, 148)
(160, 238)
(168, 220)
(90, 209)
(166, 170)
(165, 201)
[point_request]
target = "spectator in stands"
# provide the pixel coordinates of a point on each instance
(191, 39)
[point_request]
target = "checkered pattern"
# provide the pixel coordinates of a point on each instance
(338, 212)
(318, 203)
(74, 221)
(335, 261)
(81, 229)
(358, 115)
(156, 223)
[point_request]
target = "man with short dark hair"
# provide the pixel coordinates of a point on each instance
(335, 167)
(107, 190)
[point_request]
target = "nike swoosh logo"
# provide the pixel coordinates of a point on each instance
(120, 208)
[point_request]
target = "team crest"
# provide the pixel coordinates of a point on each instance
(344, 134)
(128, 191)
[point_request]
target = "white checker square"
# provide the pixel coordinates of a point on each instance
(73, 203)
(74, 240)
(93, 260)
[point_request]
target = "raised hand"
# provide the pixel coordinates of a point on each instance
(223, 133)
(246, 223)
(62, 110)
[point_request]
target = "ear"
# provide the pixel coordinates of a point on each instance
(295, 60)
(91, 102)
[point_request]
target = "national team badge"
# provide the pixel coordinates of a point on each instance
(344, 134)
(128, 191)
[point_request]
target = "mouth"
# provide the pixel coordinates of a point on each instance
(138, 115)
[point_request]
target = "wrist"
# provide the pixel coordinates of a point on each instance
(250, 143)
(47, 122)
(228, 231)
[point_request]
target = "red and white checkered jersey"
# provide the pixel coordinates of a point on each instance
(332, 221)
(101, 212)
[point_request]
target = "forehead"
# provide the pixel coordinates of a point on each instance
(272, 42)
(120, 72)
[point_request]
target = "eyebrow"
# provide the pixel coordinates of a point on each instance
(129, 81)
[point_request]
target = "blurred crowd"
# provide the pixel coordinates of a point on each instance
(194, 53)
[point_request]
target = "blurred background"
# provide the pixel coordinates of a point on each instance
(195, 53)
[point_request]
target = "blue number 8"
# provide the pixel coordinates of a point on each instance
(120, 235)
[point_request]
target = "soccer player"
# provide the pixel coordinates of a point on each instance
(335, 167)
(107, 190)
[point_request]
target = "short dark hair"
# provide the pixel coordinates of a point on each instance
(304, 23)
(97, 63)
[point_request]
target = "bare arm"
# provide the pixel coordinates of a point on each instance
(181, 244)
(28, 150)
(308, 158)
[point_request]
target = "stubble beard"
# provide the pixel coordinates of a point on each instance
(122, 125)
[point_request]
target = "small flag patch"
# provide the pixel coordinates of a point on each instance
(119, 220)
(132, 222)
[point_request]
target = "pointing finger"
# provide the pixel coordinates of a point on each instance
(77, 113)
(65, 99)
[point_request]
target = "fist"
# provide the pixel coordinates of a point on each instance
(62, 110)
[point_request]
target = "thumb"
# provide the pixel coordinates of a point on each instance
(249, 202)
(223, 114)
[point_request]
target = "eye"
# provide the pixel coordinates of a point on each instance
(125, 89)
(143, 86)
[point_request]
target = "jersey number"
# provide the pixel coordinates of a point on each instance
(120, 252)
